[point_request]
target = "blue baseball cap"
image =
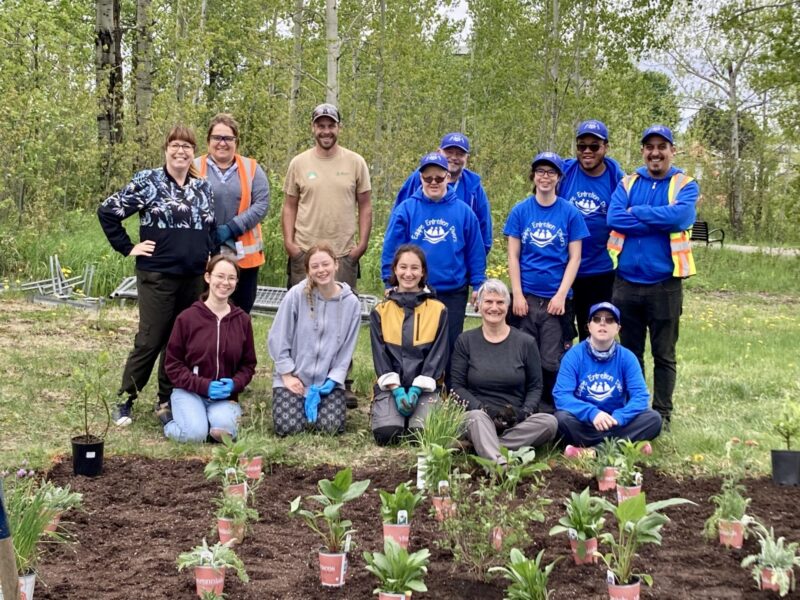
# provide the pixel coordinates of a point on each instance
(433, 158)
(551, 158)
(593, 127)
(596, 308)
(662, 130)
(455, 139)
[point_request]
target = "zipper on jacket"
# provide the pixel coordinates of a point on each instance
(217, 353)
(416, 332)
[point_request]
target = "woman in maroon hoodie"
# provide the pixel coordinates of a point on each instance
(210, 359)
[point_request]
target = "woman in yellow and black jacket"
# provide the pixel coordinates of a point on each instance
(408, 331)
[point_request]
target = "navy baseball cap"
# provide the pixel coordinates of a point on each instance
(551, 158)
(662, 130)
(455, 139)
(593, 127)
(325, 110)
(596, 308)
(433, 158)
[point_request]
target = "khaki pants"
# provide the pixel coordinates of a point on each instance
(536, 430)
(347, 271)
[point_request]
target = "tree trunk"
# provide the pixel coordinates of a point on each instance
(332, 37)
(297, 66)
(554, 73)
(379, 163)
(181, 27)
(108, 71)
(143, 72)
(737, 215)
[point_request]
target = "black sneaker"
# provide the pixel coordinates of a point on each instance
(122, 414)
(163, 412)
(350, 398)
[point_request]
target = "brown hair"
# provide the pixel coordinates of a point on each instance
(310, 285)
(416, 251)
(183, 133)
(223, 119)
(213, 262)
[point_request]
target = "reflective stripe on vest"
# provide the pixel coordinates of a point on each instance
(679, 245)
(252, 241)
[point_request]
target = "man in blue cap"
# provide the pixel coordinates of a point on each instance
(650, 214)
(466, 184)
(588, 182)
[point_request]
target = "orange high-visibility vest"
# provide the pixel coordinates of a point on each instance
(251, 240)
(679, 245)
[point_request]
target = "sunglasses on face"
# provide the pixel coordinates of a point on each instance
(433, 178)
(591, 147)
(604, 320)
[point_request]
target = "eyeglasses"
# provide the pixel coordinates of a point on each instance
(434, 178)
(222, 278)
(175, 146)
(545, 173)
(591, 147)
(604, 320)
(228, 139)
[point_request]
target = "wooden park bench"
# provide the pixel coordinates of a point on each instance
(701, 233)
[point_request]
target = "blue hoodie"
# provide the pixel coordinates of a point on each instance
(448, 233)
(585, 386)
(591, 196)
(468, 189)
(646, 219)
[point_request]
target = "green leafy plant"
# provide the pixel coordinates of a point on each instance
(226, 456)
(402, 499)
(28, 514)
(218, 556)
(94, 393)
(584, 516)
(398, 571)
(59, 498)
(775, 554)
(607, 454)
(438, 466)
(731, 505)
(528, 578)
(445, 423)
(787, 424)
(234, 508)
(212, 595)
(637, 523)
(328, 522)
(518, 466)
(627, 463)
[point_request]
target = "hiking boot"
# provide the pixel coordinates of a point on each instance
(163, 411)
(350, 398)
(577, 452)
(122, 415)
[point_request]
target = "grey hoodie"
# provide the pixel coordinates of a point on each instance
(314, 345)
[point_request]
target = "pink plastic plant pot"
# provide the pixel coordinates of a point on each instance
(608, 480)
(209, 579)
(229, 531)
(398, 533)
(332, 568)
(253, 467)
(627, 491)
(583, 551)
(731, 533)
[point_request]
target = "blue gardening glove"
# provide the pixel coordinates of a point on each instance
(413, 395)
(327, 387)
(312, 403)
(217, 390)
(404, 407)
(228, 382)
(222, 234)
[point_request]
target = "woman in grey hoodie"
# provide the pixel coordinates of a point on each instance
(311, 342)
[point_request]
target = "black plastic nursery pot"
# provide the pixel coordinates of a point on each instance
(786, 467)
(87, 455)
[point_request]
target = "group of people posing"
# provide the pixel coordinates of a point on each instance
(590, 244)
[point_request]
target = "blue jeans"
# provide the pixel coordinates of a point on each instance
(193, 416)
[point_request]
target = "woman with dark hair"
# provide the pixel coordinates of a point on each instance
(241, 201)
(211, 358)
(176, 222)
(408, 331)
(312, 341)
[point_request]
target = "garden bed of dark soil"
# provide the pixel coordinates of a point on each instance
(142, 513)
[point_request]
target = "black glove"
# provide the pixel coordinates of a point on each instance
(503, 418)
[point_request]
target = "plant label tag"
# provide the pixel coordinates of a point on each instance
(239, 250)
(610, 579)
(572, 534)
(637, 479)
(402, 517)
(91, 454)
(347, 544)
(443, 487)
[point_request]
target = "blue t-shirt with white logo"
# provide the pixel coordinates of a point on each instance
(544, 233)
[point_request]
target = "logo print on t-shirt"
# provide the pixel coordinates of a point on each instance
(541, 234)
(600, 390)
(434, 231)
(311, 175)
(588, 203)
(599, 387)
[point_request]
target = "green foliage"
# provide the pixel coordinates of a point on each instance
(94, 394)
(402, 499)
(217, 556)
(398, 571)
(234, 508)
(628, 471)
(528, 578)
(637, 523)
(224, 464)
(584, 516)
(730, 504)
(787, 425)
(517, 466)
(444, 424)
(607, 454)
(328, 522)
(776, 554)
(438, 467)
(60, 499)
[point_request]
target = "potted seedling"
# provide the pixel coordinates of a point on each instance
(582, 523)
(786, 463)
(629, 475)
(397, 510)
(59, 500)
(233, 514)
(773, 566)
(728, 518)
(605, 469)
(528, 578)
(327, 522)
(444, 425)
(210, 564)
(227, 466)
(637, 523)
(438, 469)
(88, 447)
(399, 572)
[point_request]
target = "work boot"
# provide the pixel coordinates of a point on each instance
(163, 411)
(350, 397)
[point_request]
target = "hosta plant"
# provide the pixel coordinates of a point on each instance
(327, 521)
(401, 499)
(584, 515)
(528, 578)
(775, 554)
(218, 556)
(627, 462)
(398, 570)
(519, 465)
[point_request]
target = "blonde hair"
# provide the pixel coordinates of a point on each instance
(310, 285)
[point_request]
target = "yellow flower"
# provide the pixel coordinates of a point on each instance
(698, 458)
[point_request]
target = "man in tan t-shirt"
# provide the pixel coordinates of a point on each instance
(325, 187)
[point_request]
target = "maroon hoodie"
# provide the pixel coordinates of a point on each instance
(203, 348)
